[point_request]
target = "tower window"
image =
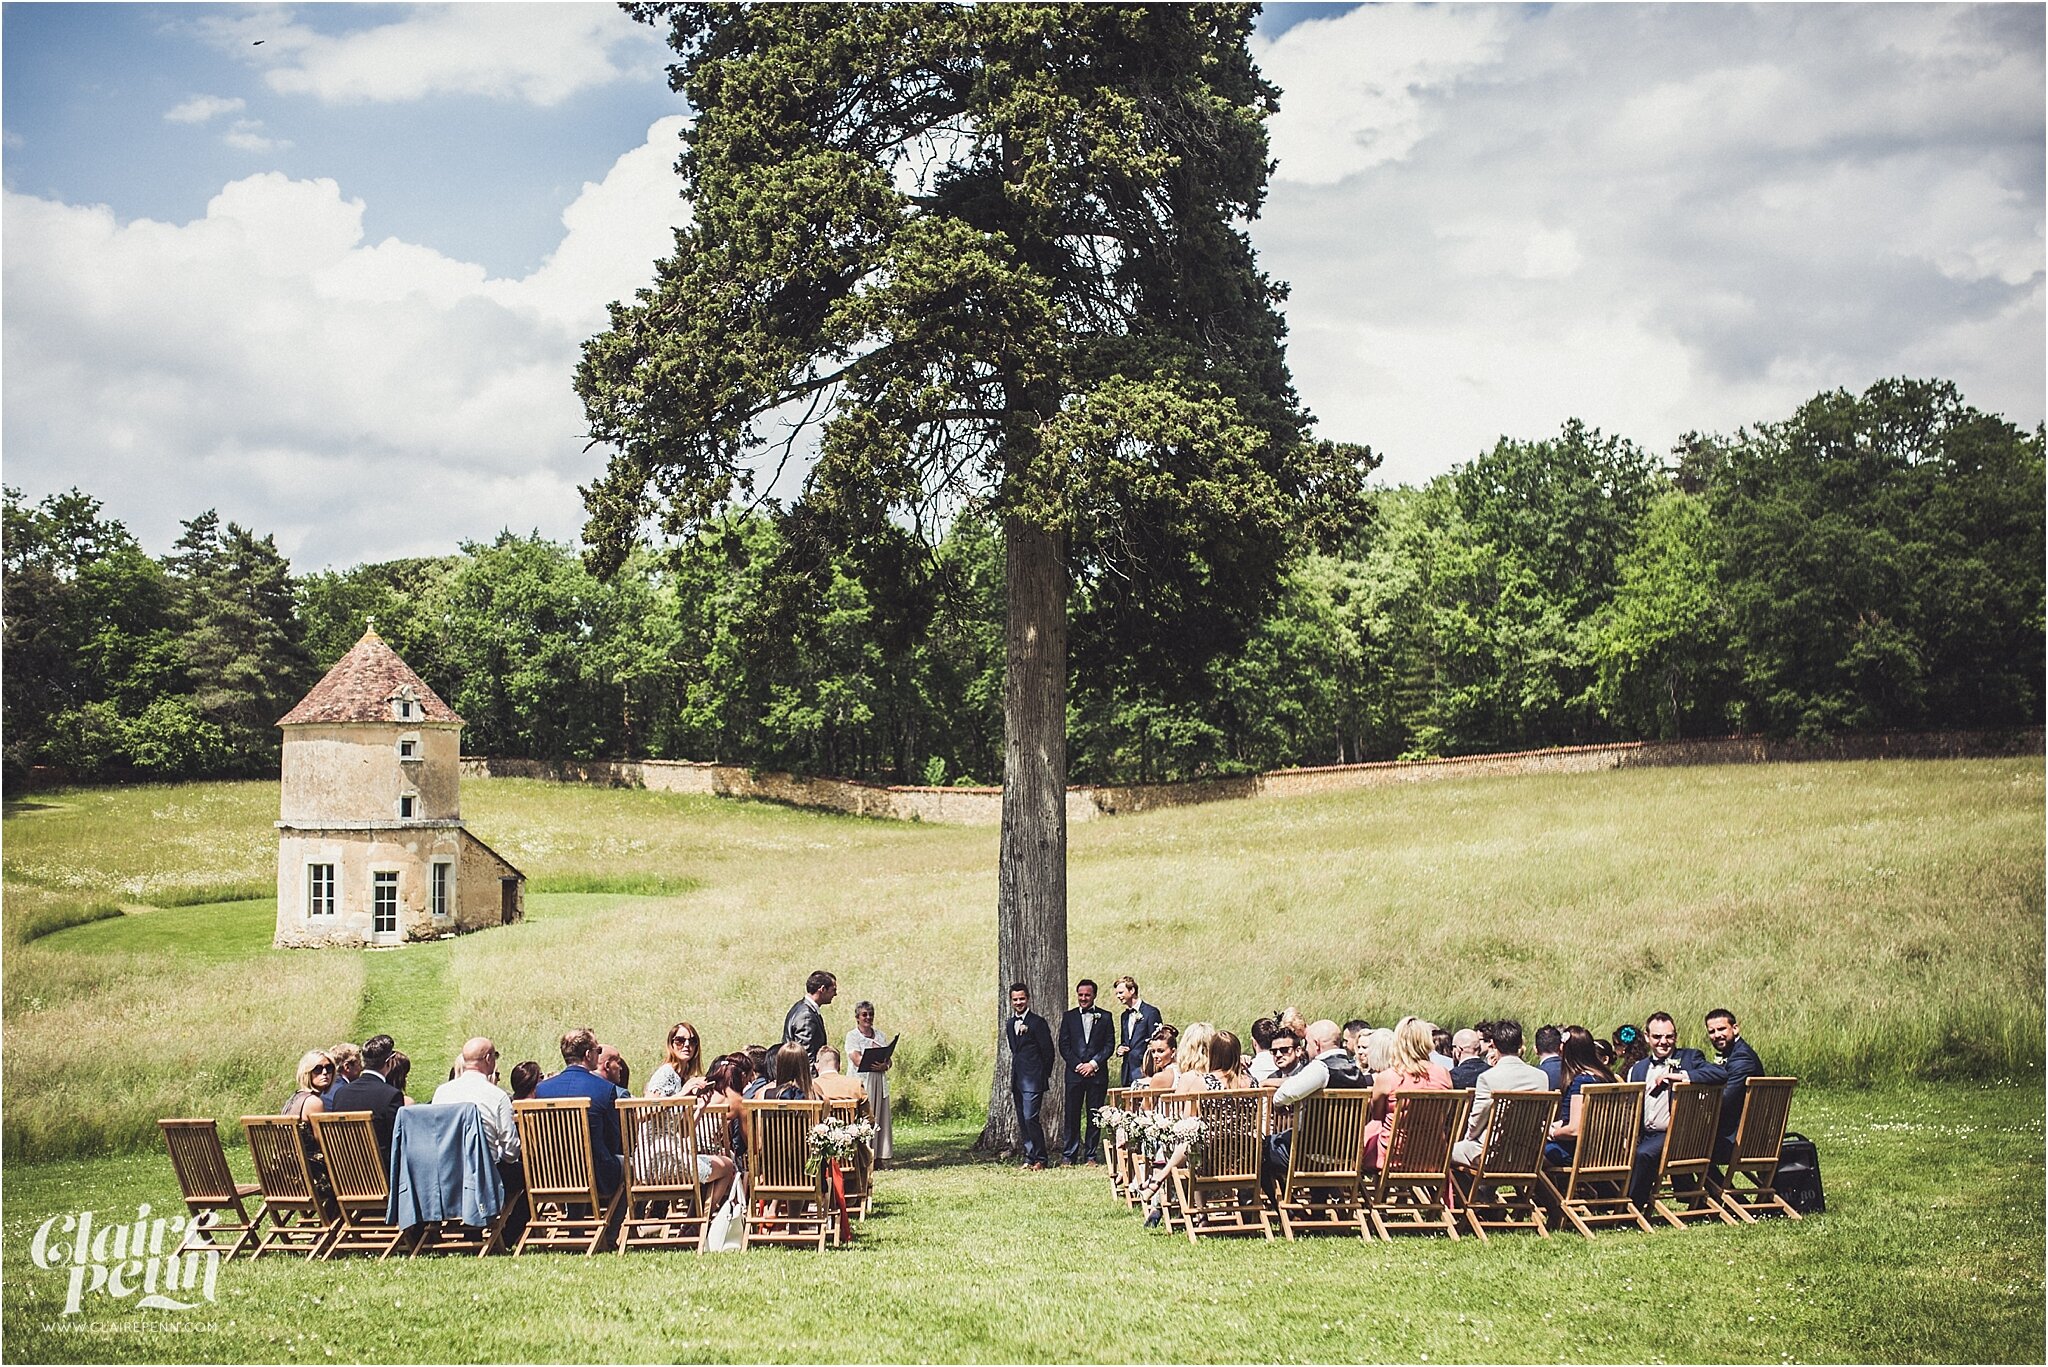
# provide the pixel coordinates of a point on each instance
(438, 892)
(408, 748)
(319, 889)
(405, 806)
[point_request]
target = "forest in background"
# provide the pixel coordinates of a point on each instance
(1872, 562)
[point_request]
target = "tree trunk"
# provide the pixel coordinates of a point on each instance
(1031, 876)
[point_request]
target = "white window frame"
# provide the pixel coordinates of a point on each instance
(409, 746)
(314, 901)
(408, 806)
(379, 880)
(441, 888)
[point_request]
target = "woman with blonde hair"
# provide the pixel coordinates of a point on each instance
(315, 1075)
(1409, 1069)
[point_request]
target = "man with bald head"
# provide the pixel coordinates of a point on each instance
(476, 1081)
(1328, 1067)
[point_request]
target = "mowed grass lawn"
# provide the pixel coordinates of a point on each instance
(1878, 926)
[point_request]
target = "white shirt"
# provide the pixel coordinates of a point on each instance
(493, 1105)
(1313, 1077)
(1656, 1104)
(1263, 1066)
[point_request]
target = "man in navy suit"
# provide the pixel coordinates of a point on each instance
(1030, 1070)
(1087, 1037)
(1666, 1062)
(1738, 1065)
(369, 1091)
(579, 1055)
(1140, 1023)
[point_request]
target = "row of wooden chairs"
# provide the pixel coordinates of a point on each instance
(659, 1203)
(1417, 1187)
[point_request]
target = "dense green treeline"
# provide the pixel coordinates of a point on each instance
(1871, 562)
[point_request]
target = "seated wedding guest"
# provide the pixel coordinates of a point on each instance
(610, 1065)
(371, 1091)
(1549, 1038)
(1411, 1069)
(1288, 1055)
(1578, 1063)
(1468, 1058)
(1262, 1065)
(1157, 1071)
(1440, 1046)
(794, 1080)
(398, 1073)
(764, 1067)
(315, 1076)
(1663, 1063)
(679, 1073)
(348, 1063)
(863, 1037)
(727, 1082)
(1355, 1031)
(525, 1077)
(1604, 1050)
(1629, 1049)
(1376, 1053)
(1212, 1061)
(1331, 1067)
(579, 1078)
(1506, 1072)
(476, 1083)
(1739, 1063)
(834, 1085)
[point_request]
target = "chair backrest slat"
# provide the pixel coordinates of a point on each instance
(1766, 1107)
(1695, 1121)
(1329, 1136)
(1236, 1124)
(1610, 1126)
(196, 1156)
(778, 1147)
(348, 1145)
(554, 1148)
(660, 1137)
(280, 1157)
(1517, 1124)
(1420, 1132)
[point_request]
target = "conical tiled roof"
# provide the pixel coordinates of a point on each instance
(360, 688)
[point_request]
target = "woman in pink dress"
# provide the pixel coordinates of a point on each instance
(1410, 1070)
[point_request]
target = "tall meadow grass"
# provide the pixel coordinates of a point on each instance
(1869, 922)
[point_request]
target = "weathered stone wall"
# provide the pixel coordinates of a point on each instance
(480, 897)
(983, 806)
(353, 772)
(408, 850)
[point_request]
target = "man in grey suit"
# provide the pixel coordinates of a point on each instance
(805, 1023)
(1508, 1073)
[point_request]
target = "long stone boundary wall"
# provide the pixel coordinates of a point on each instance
(984, 806)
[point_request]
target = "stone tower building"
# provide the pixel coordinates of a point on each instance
(371, 847)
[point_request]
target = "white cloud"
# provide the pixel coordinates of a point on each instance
(201, 108)
(247, 135)
(1655, 218)
(363, 400)
(535, 52)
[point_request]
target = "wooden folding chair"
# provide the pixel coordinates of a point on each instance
(451, 1235)
(1167, 1107)
(1217, 1185)
(1500, 1193)
(858, 1175)
(1595, 1190)
(1759, 1135)
(1324, 1188)
(1687, 1163)
(1412, 1193)
(786, 1198)
(662, 1196)
(565, 1209)
(211, 1192)
(1135, 1165)
(1112, 1145)
(362, 1194)
(300, 1221)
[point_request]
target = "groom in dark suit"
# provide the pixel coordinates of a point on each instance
(1030, 1070)
(369, 1091)
(1087, 1038)
(1666, 1064)
(1140, 1022)
(1738, 1065)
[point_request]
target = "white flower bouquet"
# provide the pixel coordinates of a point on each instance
(837, 1141)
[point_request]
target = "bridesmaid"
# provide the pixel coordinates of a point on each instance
(862, 1038)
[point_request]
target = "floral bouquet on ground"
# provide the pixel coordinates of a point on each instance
(837, 1141)
(1116, 1120)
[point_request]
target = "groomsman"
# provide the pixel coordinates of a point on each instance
(1030, 1071)
(1140, 1023)
(1087, 1037)
(805, 1023)
(1738, 1064)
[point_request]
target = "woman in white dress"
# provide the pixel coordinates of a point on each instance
(862, 1038)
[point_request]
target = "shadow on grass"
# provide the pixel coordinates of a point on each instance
(942, 1144)
(21, 806)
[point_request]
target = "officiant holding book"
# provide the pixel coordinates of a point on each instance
(870, 1053)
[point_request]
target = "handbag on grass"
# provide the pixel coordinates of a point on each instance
(728, 1226)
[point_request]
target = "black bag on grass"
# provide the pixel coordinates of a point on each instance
(1799, 1175)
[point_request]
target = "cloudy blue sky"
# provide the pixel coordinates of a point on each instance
(333, 283)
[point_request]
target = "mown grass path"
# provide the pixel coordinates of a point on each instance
(408, 995)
